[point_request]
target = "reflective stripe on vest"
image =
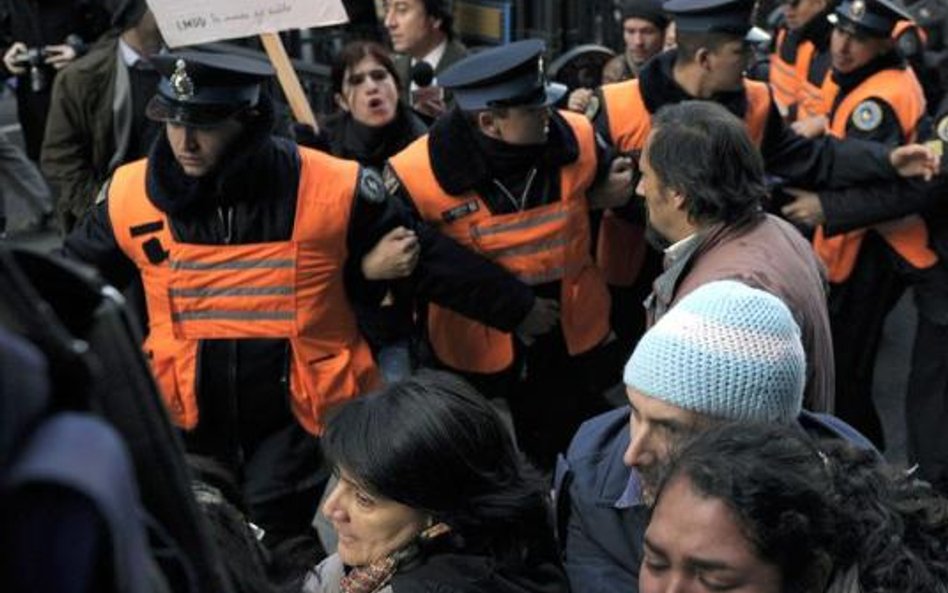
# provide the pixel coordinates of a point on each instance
(621, 247)
(285, 289)
(538, 245)
(908, 236)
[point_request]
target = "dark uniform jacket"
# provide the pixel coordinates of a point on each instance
(825, 162)
(242, 384)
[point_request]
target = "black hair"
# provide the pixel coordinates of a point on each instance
(689, 42)
(440, 9)
(898, 525)
(808, 507)
(353, 53)
(433, 443)
(704, 152)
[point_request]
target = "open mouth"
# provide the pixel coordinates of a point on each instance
(376, 103)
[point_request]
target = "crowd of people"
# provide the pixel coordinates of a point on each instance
(477, 331)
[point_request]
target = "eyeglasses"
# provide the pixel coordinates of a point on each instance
(376, 74)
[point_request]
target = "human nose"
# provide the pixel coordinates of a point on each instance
(389, 19)
(638, 452)
(332, 507)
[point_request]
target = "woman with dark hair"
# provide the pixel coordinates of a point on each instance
(372, 123)
(371, 126)
(765, 509)
(432, 496)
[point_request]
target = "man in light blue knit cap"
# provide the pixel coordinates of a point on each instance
(724, 352)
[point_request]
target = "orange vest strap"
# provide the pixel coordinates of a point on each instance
(908, 236)
(538, 245)
(283, 289)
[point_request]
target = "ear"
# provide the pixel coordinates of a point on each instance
(341, 102)
(678, 199)
(703, 57)
(487, 123)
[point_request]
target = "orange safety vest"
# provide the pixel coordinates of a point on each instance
(539, 245)
(621, 248)
(284, 289)
(785, 77)
(908, 236)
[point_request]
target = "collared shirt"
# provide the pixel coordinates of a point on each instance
(129, 55)
(433, 58)
(675, 251)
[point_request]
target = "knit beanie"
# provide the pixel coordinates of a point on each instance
(647, 10)
(726, 350)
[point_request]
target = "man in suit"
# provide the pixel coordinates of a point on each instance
(97, 117)
(421, 31)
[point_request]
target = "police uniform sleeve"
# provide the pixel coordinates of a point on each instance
(822, 162)
(851, 208)
(447, 273)
(93, 242)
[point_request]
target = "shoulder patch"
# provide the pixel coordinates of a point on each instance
(371, 188)
(941, 129)
(867, 115)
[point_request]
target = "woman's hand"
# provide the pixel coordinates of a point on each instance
(394, 256)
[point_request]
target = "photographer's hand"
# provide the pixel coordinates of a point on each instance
(11, 56)
(58, 56)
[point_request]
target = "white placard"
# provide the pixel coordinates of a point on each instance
(187, 22)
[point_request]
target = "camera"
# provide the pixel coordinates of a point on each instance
(34, 59)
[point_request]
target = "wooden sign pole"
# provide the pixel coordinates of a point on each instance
(289, 81)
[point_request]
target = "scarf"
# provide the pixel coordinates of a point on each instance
(375, 576)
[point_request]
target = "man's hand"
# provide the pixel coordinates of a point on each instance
(394, 256)
(58, 56)
(9, 58)
(579, 100)
(429, 101)
(542, 318)
(805, 209)
(616, 189)
(811, 127)
(915, 160)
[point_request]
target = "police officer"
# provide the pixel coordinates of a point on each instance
(508, 177)
(249, 249)
(799, 65)
(878, 98)
(708, 64)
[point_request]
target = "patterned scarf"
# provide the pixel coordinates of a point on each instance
(374, 576)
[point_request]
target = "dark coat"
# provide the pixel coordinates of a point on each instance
(88, 128)
(38, 24)
(770, 254)
(600, 526)
(454, 52)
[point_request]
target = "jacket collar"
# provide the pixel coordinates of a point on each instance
(459, 169)
(659, 88)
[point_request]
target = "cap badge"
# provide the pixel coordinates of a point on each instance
(857, 10)
(541, 70)
(181, 82)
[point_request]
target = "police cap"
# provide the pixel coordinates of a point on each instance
(510, 75)
(873, 18)
(714, 16)
(203, 89)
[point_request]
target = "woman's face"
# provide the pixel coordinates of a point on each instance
(369, 93)
(369, 527)
(695, 544)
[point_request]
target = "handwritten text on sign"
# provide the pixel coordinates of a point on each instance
(187, 22)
